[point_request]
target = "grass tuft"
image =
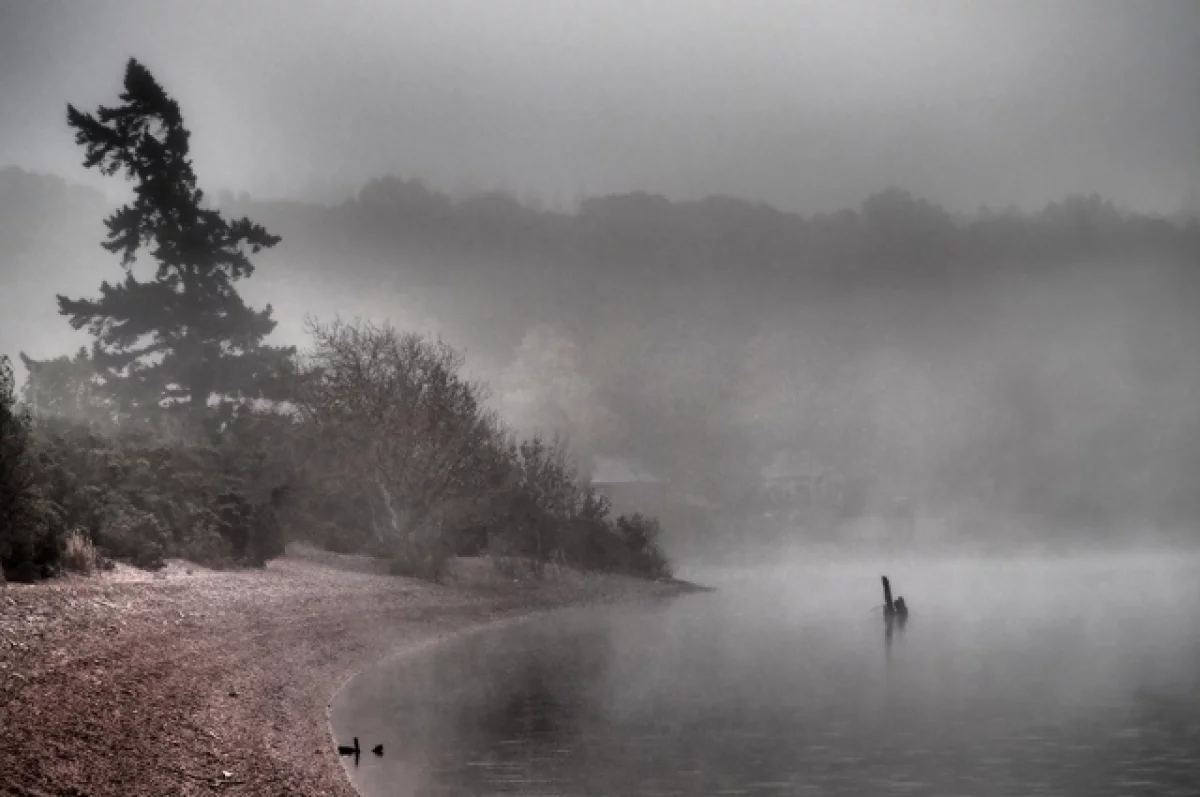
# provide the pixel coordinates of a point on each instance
(79, 554)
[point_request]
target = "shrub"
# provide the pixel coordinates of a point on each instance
(34, 547)
(135, 536)
(28, 541)
(141, 499)
(639, 535)
(267, 539)
(236, 518)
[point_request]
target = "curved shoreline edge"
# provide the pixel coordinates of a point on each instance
(412, 651)
(190, 681)
(674, 587)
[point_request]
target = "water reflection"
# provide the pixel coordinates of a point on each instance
(892, 624)
(1041, 689)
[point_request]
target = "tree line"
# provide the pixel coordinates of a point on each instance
(707, 337)
(666, 303)
(181, 432)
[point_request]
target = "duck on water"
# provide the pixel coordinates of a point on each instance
(355, 750)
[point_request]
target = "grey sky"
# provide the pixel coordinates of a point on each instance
(807, 105)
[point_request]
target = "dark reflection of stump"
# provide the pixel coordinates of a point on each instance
(892, 624)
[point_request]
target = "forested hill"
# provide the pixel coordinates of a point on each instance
(638, 253)
(998, 357)
(644, 254)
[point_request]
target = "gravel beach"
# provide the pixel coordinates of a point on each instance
(190, 681)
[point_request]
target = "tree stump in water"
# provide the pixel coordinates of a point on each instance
(893, 609)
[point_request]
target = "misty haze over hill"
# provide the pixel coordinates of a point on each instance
(831, 263)
(882, 360)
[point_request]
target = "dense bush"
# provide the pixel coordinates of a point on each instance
(639, 541)
(402, 460)
(140, 499)
(28, 546)
(546, 512)
(385, 451)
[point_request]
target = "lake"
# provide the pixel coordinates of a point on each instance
(1011, 677)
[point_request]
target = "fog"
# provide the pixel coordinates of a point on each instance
(810, 106)
(1014, 675)
(843, 273)
(574, 303)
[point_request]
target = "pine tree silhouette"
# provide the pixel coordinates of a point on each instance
(184, 336)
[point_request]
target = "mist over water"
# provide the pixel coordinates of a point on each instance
(1013, 676)
(832, 290)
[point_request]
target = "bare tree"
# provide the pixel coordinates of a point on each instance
(393, 419)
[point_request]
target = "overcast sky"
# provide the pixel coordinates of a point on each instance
(809, 106)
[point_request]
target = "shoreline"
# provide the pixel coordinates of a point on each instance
(191, 681)
(422, 647)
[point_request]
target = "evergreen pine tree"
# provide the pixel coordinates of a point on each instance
(184, 336)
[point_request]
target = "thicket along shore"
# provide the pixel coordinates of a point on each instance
(192, 681)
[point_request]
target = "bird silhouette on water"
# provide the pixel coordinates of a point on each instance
(377, 749)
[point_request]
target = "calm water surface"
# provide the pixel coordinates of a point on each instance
(1011, 678)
